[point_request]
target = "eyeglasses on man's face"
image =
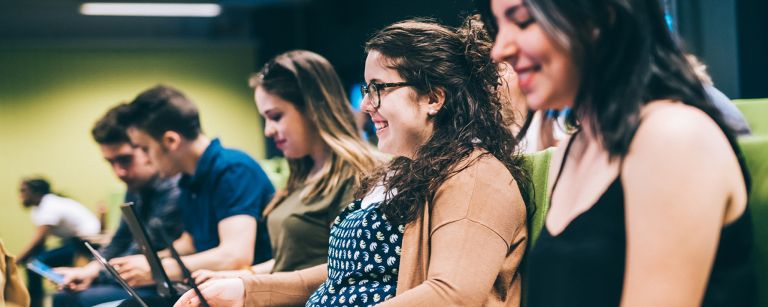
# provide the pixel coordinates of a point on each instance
(373, 91)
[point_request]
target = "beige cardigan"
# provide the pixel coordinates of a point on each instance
(464, 251)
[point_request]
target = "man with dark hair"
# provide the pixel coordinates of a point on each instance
(223, 191)
(154, 198)
(53, 215)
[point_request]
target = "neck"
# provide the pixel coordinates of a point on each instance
(319, 156)
(194, 150)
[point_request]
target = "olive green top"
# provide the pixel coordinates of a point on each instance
(299, 232)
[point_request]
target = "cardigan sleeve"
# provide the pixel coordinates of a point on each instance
(477, 217)
(283, 289)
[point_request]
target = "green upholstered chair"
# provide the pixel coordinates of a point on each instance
(756, 113)
(755, 149)
(537, 165)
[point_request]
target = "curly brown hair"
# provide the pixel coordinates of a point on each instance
(457, 60)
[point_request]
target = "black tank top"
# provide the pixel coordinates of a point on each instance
(584, 264)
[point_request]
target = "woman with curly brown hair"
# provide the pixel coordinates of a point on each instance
(444, 222)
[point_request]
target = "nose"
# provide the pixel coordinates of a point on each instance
(505, 48)
(269, 129)
(367, 104)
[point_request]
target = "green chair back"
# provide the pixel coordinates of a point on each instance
(755, 149)
(756, 113)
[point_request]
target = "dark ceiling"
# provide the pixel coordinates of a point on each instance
(336, 29)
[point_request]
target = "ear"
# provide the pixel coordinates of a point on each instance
(171, 140)
(436, 101)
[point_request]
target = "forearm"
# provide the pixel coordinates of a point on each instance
(38, 239)
(264, 267)
(215, 259)
(283, 289)
(93, 268)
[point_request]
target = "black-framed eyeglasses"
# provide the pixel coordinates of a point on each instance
(366, 89)
(520, 15)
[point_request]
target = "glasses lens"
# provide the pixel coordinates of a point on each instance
(373, 91)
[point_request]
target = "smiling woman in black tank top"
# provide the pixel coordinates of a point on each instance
(648, 198)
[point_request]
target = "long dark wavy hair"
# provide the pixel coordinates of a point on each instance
(626, 57)
(432, 56)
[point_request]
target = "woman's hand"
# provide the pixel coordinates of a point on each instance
(220, 292)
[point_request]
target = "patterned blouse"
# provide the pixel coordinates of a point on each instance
(363, 258)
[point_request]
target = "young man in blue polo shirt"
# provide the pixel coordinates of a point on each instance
(223, 191)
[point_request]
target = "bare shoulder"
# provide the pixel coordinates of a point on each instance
(676, 142)
(676, 129)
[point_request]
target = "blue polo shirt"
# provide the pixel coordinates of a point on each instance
(226, 183)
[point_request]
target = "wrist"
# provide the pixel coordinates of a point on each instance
(172, 268)
(92, 269)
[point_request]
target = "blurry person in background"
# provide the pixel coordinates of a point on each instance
(307, 113)
(731, 114)
(154, 198)
(53, 215)
(535, 130)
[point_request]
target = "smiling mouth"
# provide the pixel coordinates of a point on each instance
(525, 76)
(381, 125)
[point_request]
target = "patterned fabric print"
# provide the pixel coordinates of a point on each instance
(363, 258)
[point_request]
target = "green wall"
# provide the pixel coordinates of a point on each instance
(51, 96)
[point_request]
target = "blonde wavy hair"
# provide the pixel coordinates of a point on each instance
(310, 82)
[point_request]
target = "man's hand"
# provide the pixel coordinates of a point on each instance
(134, 269)
(76, 279)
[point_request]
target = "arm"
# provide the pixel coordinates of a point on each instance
(279, 289)
(79, 279)
(235, 249)
(120, 242)
(184, 245)
(469, 249)
(262, 268)
(135, 268)
(202, 276)
(41, 233)
(679, 178)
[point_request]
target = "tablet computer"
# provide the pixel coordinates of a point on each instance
(46, 271)
(116, 275)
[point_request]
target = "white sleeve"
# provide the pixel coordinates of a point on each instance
(47, 214)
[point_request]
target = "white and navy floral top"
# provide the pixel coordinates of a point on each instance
(363, 256)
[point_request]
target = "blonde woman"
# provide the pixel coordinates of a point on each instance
(310, 119)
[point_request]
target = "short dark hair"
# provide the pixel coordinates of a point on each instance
(37, 185)
(160, 109)
(108, 130)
